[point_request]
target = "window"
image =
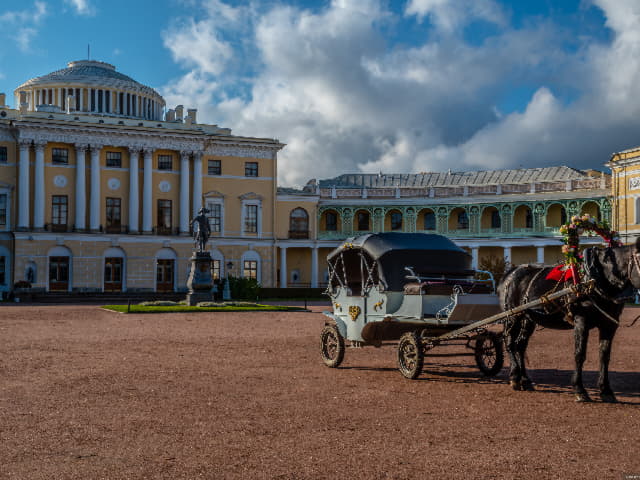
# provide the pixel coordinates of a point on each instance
(59, 210)
(3, 209)
(165, 162)
(363, 221)
(164, 215)
(251, 219)
(299, 223)
(251, 169)
(250, 269)
(113, 214)
(114, 159)
(216, 269)
(3, 269)
(563, 216)
(214, 167)
(528, 219)
(463, 221)
(396, 221)
(429, 221)
(3, 154)
(331, 221)
(215, 217)
(60, 155)
(495, 219)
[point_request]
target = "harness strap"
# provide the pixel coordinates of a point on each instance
(604, 313)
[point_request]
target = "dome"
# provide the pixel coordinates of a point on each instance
(90, 73)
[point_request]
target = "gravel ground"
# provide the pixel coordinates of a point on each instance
(90, 394)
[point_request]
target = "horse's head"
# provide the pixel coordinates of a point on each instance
(616, 270)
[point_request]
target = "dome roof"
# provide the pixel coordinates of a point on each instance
(92, 73)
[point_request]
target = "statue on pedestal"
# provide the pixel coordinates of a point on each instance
(200, 279)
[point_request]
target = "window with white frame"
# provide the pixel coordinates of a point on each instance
(251, 218)
(215, 216)
(216, 269)
(250, 264)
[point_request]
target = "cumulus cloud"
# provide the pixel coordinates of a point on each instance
(22, 25)
(331, 84)
(81, 7)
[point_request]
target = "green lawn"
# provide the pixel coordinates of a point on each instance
(187, 309)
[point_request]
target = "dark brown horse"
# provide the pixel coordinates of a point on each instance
(615, 271)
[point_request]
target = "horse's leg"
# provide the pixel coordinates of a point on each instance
(511, 332)
(528, 327)
(581, 335)
(606, 338)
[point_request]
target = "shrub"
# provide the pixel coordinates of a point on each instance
(22, 284)
(158, 303)
(244, 288)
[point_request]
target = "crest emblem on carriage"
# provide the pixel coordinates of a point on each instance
(354, 311)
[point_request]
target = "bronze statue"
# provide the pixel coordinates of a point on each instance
(201, 229)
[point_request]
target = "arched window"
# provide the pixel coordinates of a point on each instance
(299, 223)
(495, 219)
(429, 221)
(528, 219)
(463, 220)
(250, 264)
(563, 216)
(331, 221)
(396, 221)
(363, 221)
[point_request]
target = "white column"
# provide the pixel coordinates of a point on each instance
(60, 102)
(38, 187)
(116, 103)
(197, 182)
(507, 255)
(81, 99)
(81, 187)
(184, 192)
(540, 254)
(23, 185)
(474, 257)
(314, 267)
(283, 267)
(147, 207)
(94, 201)
(134, 194)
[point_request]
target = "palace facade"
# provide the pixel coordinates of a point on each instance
(99, 182)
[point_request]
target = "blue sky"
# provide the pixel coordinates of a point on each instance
(366, 85)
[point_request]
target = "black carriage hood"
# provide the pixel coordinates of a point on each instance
(427, 254)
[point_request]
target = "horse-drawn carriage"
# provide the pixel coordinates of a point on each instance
(414, 288)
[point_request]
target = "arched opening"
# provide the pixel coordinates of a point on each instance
(458, 219)
(5, 270)
(427, 219)
(60, 273)
(490, 219)
(523, 217)
(250, 264)
(592, 208)
(393, 221)
(362, 220)
(330, 221)
(166, 270)
(114, 270)
(299, 223)
(556, 216)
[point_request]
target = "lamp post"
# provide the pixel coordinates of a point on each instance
(226, 291)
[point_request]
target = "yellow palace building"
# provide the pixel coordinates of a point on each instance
(99, 181)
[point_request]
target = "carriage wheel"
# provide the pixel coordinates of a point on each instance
(331, 346)
(489, 353)
(410, 355)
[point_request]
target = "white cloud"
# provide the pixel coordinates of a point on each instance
(82, 7)
(22, 26)
(327, 83)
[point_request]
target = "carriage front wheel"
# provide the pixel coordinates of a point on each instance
(410, 355)
(489, 353)
(331, 346)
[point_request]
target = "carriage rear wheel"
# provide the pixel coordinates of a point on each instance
(331, 346)
(410, 355)
(489, 353)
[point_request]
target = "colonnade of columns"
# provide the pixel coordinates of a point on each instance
(99, 100)
(507, 255)
(283, 265)
(95, 198)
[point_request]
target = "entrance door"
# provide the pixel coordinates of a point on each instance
(113, 274)
(164, 275)
(59, 274)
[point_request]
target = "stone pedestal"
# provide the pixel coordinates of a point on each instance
(200, 280)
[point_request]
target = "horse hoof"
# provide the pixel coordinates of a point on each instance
(516, 385)
(528, 386)
(582, 398)
(608, 398)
